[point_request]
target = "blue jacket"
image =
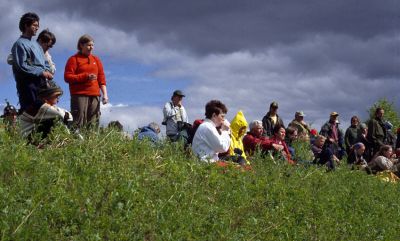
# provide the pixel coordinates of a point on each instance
(28, 64)
(148, 133)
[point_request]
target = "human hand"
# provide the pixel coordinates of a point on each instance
(47, 75)
(104, 100)
(225, 125)
(277, 147)
(92, 77)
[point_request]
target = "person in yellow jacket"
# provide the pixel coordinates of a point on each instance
(238, 130)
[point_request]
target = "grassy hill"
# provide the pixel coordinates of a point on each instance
(109, 188)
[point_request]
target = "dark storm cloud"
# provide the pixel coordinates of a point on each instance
(224, 26)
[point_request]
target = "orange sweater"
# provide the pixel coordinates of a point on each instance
(76, 74)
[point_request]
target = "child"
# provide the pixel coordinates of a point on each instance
(42, 118)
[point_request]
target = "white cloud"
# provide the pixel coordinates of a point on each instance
(318, 74)
(131, 117)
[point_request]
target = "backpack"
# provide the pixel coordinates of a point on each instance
(192, 130)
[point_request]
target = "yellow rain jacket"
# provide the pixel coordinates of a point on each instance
(238, 123)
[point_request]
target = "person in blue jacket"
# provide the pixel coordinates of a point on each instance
(150, 132)
(30, 69)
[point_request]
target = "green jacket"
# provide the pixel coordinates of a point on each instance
(376, 132)
(351, 136)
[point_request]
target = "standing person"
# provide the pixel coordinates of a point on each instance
(85, 75)
(46, 40)
(334, 134)
(352, 134)
(29, 66)
(303, 129)
(377, 131)
(208, 142)
(175, 118)
(271, 119)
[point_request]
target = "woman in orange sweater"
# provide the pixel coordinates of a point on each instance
(85, 75)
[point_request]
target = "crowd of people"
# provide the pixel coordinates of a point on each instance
(367, 146)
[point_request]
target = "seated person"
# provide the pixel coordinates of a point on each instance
(356, 155)
(291, 136)
(10, 117)
(150, 132)
(42, 118)
(323, 153)
(117, 126)
(254, 139)
(238, 130)
(278, 144)
(385, 160)
(208, 141)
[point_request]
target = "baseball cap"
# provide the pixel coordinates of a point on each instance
(178, 93)
(273, 104)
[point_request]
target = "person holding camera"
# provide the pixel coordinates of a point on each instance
(175, 118)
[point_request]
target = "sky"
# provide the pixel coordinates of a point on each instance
(314, 56)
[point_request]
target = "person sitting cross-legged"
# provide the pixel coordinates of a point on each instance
(42, 118)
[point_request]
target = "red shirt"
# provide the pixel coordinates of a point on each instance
(76, 74)
(250, 143)
(285, 149)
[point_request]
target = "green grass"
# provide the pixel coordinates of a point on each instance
(108, 188)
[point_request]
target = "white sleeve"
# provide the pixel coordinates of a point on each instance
(220, 143)
(168, 110)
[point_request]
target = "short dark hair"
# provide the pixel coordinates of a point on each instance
(116, 125)
(84, 39)
(27, 19)
(215, 106)
(46, 36)
(378, 110)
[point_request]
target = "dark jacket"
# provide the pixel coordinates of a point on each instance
(351, 136)
(327, 131)
(376, 133)
(269, 126)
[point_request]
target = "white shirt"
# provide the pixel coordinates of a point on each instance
(207, 142)
(46, 112)
(173, 114)
(384, 163)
